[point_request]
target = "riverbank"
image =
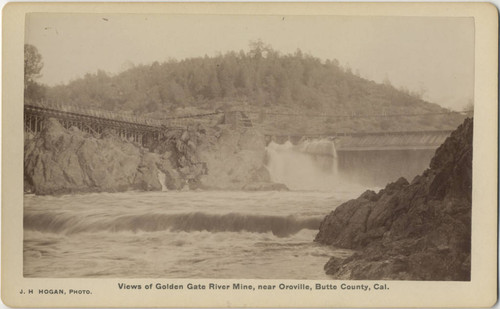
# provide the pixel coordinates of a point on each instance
(409, 231)
(61, 161)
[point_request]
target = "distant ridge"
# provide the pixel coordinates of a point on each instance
(261, 79)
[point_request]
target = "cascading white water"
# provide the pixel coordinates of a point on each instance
(319, 147)
(175, 234)
(310, 165)
(161, 179)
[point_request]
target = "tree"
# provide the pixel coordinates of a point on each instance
(32, 64)
(32, 67)
(259, 49)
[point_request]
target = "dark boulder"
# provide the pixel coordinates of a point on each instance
(417, 231)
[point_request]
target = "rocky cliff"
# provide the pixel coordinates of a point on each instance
(235, 160)
(60, 161)
(417, 231)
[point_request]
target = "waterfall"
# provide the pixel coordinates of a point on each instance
(68, 223)
(315, 165)
(161, 178)
(310, 165)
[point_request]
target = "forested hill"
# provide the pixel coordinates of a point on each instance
(261, 80)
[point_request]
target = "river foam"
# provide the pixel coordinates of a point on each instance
(216, 234)
(68, 223)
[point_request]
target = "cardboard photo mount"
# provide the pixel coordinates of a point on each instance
(480, 291)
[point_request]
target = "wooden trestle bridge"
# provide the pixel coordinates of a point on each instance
(137, 129)
(144, 130)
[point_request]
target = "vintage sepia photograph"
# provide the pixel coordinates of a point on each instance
(248, 147)
(249, 155)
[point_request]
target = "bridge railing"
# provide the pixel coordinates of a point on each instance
(104, 114)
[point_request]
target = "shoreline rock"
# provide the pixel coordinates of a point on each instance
(65, 161)
(417, 231)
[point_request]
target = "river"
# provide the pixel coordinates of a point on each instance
(193, 234)
(218, 234)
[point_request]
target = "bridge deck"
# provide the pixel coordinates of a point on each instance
(128, 127)
(96, 115)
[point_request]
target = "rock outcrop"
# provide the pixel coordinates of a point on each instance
(417, 231)
(60, 161)
(235, 160)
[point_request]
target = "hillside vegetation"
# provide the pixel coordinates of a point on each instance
(262, 81)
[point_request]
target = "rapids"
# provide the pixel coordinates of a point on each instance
(196, 234)
(189, 234)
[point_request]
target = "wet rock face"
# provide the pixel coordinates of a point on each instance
(235, 160)
(60, 161)
(417, 231)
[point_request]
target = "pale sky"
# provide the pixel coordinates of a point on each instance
(420, 53)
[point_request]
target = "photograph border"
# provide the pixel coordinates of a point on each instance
(480, 291)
